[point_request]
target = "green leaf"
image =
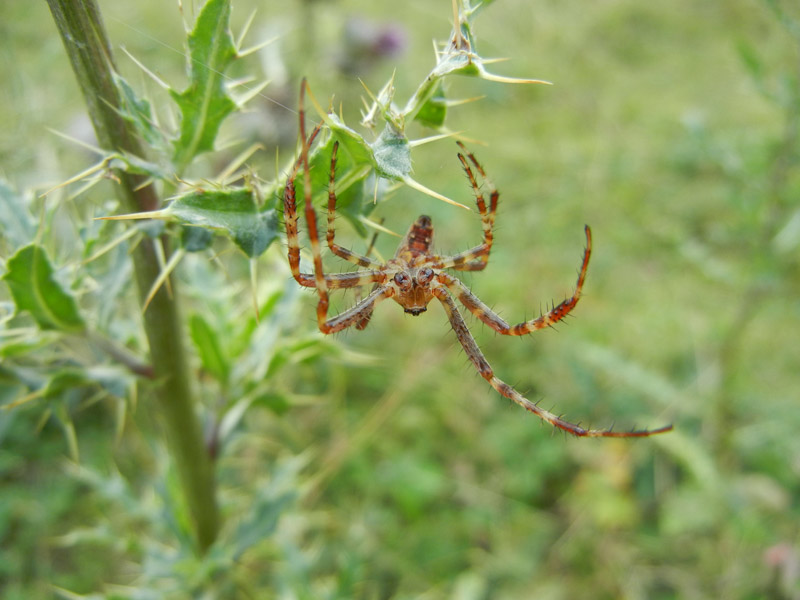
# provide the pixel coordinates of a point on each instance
(277, 402)
(63, 416)
(205, 103)
(14, 346)
(65, 379)
(196, 239)
(350, 140)
(33, 287)
(138, 166)
(232, 211)
(392, 153)
(434, 110)
(208, 347)
(139, 113)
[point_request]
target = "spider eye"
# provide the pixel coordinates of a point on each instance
(425, 275)
(401, 279)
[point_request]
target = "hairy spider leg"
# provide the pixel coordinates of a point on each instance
(334, 280)
(357, 315)
(359, 312)
(493, 320)
(475, 259)
(418, 279)
(340, 251)
(482, 365)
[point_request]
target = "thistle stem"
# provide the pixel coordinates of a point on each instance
(81, 29)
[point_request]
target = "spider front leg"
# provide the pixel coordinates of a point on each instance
(341, 252)
(493, 320)
(358, 315)
(482, 365)
(332, 281)
(475, 259)
(361, 312)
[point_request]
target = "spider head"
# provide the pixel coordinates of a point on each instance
(413, 289)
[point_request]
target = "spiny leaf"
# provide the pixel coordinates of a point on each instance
(139, 113)
(232, 211)
(389, 156)
(392, 154)
(33, 287)
(205, 103)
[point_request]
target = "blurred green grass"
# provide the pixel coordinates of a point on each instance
(656, 134)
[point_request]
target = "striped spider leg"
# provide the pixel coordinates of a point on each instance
(415, 276)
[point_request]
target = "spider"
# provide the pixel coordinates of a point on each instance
(415, 276)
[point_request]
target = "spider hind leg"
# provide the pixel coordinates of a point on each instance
(483, 367)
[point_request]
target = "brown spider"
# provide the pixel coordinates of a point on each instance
(415, 276)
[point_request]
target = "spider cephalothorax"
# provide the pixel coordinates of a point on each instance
(415, 276)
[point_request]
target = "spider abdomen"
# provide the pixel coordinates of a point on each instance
(418, 239)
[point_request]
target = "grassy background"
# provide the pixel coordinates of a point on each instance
(657, 134)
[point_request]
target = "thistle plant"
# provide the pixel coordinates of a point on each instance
(68, 337)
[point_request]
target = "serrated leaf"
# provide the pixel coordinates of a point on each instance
(138, 112)
(34, 289)
(208, 348)
(232, 211)
(205, 103)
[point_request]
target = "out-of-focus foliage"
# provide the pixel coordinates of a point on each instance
(376, 464)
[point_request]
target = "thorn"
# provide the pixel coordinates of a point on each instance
(162, 277)
(421, 188)
(484, 74)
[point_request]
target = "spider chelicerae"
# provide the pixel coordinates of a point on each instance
(415, 276)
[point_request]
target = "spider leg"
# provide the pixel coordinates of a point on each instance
(335, 280)
(357, 315)
(361, 311)
(338, 250)
(485, 314)
(481, 364)
(475, 259)
(311, 221)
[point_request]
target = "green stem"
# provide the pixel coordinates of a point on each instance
(82, 32)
